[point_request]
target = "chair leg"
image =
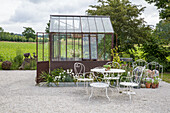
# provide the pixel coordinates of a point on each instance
(91, 93)
(107, 94)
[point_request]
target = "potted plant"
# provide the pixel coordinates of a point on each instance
(148, 83)
(107, 67)
(155, 83)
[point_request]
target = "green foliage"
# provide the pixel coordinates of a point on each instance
(106, 66)
(1, 58)
(125, 21)
(61, 75)
(17, 61)
(32, 65)
(47, 77)
(29, 33)
(47, 28)
(115, 55)
(149, 80)
(162, 31)
(154, 51)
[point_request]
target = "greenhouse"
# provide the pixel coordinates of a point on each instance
(86, 39)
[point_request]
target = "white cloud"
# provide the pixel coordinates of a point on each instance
(16, 14)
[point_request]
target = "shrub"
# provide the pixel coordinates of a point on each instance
(17, 61)
(6, 65)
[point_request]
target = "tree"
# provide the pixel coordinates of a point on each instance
(163, 6)
(48, 27)
(162, 32)
(1, 29)
(29, 33)
(153, 50)
(125, 21)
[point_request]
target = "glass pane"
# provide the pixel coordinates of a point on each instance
(93, 46)
(99, 25)
(78, 48)
(70, 25)
(92, 24)
(63, 47)
(108, 45)
(40, 47)
(46, 47)
(70, 47)
(54, 24)
(55, 47)
(107, 25)
(100, 47)
(62, 24)
(84, 24)
(85, 46)
(77, 25)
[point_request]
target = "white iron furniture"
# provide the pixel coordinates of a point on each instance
(81, 75)
(139, 62)
(111, 76)
(109, 72)
(99, 85)
(153, 71)
(132, 81)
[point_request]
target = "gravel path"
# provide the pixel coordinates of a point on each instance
(18, 94)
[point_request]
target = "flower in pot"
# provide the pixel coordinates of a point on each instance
(155, 83)
(107, 67)
(148, 83)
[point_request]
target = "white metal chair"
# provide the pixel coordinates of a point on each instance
(99, 85)
(139, 62)
(81, 75)
(153, 71)
(132, 81)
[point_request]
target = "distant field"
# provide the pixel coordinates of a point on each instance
(8, 49)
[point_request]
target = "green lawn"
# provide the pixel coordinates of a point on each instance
(166, 77)
(8, 49)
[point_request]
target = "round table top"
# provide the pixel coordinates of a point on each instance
(99, 85)
(102, 70)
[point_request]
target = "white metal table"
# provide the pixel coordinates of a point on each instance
(104, 72)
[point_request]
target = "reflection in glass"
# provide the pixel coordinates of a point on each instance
(84, 24)
(70, 24)
(99, 25)
(92, 24)
(100, 47)
(77, 24)
(63, 47)
(93, 46)
(107, 25)
(85, 46)
(55, 47)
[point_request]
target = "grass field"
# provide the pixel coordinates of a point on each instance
(8, 49)
(166, 77)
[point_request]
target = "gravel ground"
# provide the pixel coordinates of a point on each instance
(18, 94)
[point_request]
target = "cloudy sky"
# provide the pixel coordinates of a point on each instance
(16, 14)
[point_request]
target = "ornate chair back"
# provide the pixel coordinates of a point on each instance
(139, 62)
(79, 69)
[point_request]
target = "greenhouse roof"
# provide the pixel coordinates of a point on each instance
(80, 24)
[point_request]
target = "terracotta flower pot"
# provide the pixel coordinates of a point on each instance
(157, 85)
(148, 85)
(153, 85)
